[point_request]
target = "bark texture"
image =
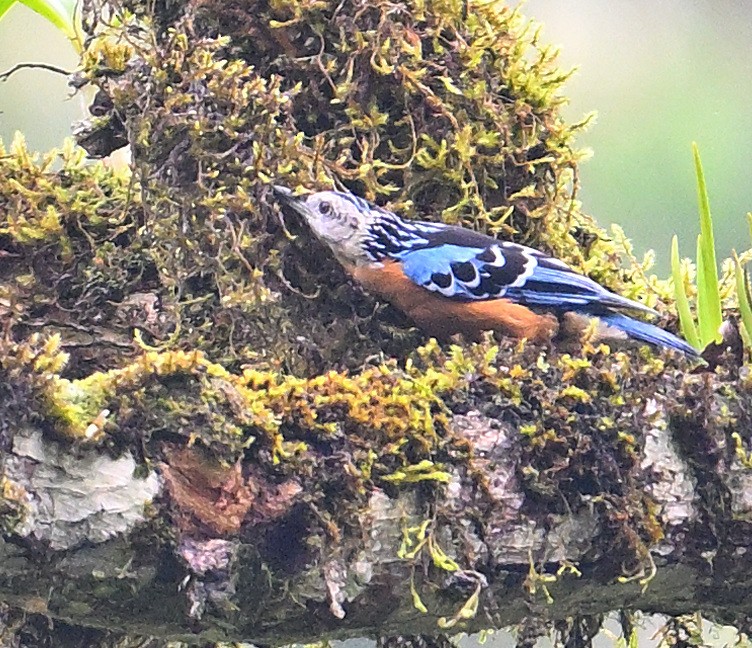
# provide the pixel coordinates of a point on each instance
(207, 433)
(89, 551)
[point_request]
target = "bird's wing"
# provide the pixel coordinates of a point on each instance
(465, 265)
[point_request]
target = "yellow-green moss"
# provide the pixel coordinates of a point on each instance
(579, 420)
(192, 309)
(439, 110)
(449, 112)
(39, 205)
(12, 505)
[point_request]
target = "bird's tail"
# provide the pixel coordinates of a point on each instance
(647, 332)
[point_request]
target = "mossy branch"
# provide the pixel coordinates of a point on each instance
(208, 433)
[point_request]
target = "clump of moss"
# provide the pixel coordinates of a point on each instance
(439, 111)
(12, 505)
(414, 106)
(339, 435)
(70, 250)
(188, 249)
(41, 206)
(195, 314)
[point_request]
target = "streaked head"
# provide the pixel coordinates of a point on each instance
(338, 219)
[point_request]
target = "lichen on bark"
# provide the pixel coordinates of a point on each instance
(169, 313)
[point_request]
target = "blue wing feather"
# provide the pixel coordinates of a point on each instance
(423, 266)
(647, 332)
(465, 265)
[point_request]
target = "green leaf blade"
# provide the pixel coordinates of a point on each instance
(742, 292)
(686, 321)
(702, 322)
(5, 5)
(709, 314)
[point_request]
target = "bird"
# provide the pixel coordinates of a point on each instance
(453, 280)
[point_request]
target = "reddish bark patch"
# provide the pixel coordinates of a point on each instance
(210, 499)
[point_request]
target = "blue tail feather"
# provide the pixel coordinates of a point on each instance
(647, 332)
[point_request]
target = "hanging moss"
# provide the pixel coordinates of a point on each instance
(180, 309)
(438, 110)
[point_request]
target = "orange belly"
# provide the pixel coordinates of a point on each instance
(442, 317)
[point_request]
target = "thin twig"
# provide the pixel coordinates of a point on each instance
(34, 66)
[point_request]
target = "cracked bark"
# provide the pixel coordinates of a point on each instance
(86, 556)
(164, 528)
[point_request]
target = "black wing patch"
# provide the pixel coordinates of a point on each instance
(465, 265)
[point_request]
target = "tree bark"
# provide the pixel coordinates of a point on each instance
(208, 434)
(89, 552)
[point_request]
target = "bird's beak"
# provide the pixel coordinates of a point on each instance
(282, 193)
(285, 197)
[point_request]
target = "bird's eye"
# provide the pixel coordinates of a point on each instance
(325, 208)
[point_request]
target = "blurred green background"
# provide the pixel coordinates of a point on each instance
(36, 102)
(660, 75)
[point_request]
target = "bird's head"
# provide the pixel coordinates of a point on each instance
(338, 219)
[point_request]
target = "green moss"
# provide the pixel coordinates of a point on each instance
(40, 206)
(438, 110)
(104, 56)
(388, 425)
(12, 505)
(340, 435)
(195, 314)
